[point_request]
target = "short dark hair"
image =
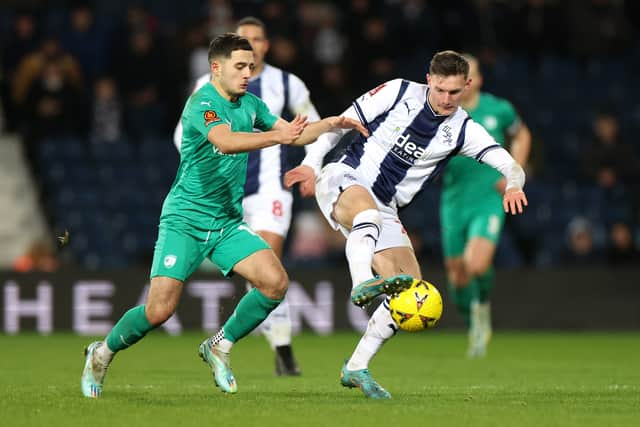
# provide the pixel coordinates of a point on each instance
(224, 44)
(252, 20)
(449, 63)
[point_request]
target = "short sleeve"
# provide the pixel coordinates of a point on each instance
(511, 119)
(264, 120)
(202, 115)
(379, 100)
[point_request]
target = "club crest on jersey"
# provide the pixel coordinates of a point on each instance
(407, 150)
(170, 261)
(447, 137)
(210, 116)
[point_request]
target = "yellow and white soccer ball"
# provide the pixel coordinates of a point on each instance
(417, 308)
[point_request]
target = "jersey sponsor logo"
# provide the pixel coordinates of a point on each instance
(447, 137)
(170, 261)
(210, 116)
(376, 90)
(407, 150)
(207, 103)
(217, 151)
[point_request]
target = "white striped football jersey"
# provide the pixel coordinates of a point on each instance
(408, 143)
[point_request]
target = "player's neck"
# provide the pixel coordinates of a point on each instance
(472, 102)
(223, 93)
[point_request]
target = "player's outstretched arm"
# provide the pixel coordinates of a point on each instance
(314, 130)
(230, 142)
(303, 175)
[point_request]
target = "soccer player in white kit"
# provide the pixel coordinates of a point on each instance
(414, 129)
(267, 203)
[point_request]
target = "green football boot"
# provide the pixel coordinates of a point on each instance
(364, 381)
(220, 364)
(93, 373)
(368, 290)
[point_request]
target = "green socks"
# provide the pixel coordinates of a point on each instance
(485, 284)
(252, 309)
(462, 298)
(130, 329)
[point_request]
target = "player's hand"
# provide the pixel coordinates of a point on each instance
(339, 122)
(514, 201)
(293, 129)
(303, 175)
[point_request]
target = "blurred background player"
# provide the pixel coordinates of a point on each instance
(202, 214)
(267, 204)
(414, 130)
(471, 213)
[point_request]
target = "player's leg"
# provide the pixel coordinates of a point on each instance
(242, 251)
(397, 258)
(483, 236)
(356, 210)
(454, 227)
(269, 214)
(478, 258)
(174, 259)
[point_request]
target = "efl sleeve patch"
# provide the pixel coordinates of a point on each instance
(210, 116)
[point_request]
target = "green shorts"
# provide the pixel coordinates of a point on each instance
(460, 226)
(178, 253)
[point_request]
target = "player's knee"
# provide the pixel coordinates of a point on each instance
(276, 284)
(477, 267)
(458, 275)
(159, 312)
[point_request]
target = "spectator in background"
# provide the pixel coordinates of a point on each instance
(53, 106)
(336, 90)
(622, 251)
(375, 54)
(32, 68)
(85, 41)
(597, 28)
(536, 27)
(609, 162)
(106, 122)
(140, 75)
(580, 249)
(22, 41)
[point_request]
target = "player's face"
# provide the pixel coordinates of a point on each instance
(258, 40)
(475, 80)
(233, 73)
(445, 92)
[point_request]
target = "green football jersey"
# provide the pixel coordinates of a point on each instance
(466, 181)
(209, 185)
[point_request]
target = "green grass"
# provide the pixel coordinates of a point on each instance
(529, 379)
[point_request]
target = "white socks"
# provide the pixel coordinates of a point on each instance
(380, 328)
(361, 244)
(277, 326)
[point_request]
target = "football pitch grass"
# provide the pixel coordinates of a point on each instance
(528, 379)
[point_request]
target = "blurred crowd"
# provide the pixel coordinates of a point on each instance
(117, 72)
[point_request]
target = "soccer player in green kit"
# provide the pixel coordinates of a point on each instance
(471, 210)
(202, 214)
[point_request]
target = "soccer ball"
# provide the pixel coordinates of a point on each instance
(416, 308)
